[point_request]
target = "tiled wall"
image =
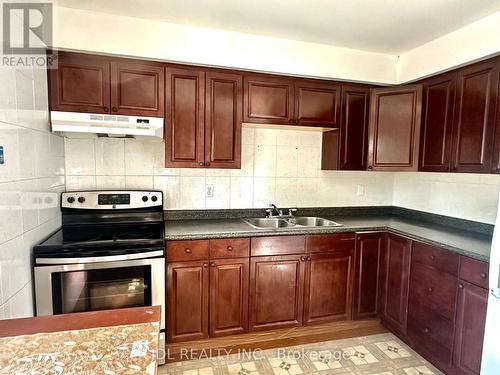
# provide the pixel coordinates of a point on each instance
(462, 195)
(30, 182)
(279, 166)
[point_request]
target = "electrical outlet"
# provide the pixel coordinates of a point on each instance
(209, 190)
(360, 190)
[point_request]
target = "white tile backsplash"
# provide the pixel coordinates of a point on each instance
(31, 180)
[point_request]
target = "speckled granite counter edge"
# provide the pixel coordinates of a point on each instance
(298, 232)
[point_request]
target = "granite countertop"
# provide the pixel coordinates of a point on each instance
(49, 345)
(473, 244)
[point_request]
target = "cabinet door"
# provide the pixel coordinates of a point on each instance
(396, 282)
(437, 122)
(276, 291)
(187, 301)
(137, 88)
(477, 87)
(495, 168)
(184, 123)
(316, 103)
(228, 296)
(368, 258)
(354, 127)
(268, 100)
(81, 83)
(223, 120)
(469, 331)
(394, 128)
(328, 287)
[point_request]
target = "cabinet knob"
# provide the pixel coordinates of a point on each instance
(201, 164)
(432, 257)
(106, 109)
(426, 330)
(207, 164)
(229, 248)
(461, 286)
(290, 121)
(303, 259)
(370, 167)
(114, 109)
(308, 258)
(188, 250)
(212, 264)
(483, 275)
(429, 289)
(205, 265)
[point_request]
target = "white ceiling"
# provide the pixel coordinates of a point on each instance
(386, 26)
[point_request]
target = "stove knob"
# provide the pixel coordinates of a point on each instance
(154, 198)
(144, 198)
(81, 199)
(70, 199)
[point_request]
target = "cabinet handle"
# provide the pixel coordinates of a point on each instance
(106, 109)
(461, 286)
(200, 164)
(207, 164)
(229, 248)
(426, 330)
(188, 250)
(205, 265)
(483, 275)
(114, 109)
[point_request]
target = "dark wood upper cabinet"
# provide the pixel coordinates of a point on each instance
(437, 123)
(223, 120)
(469, 333)
(184, 124)
(477, 90)
(369, 247)
(187, 300)
(81, 83)
(354, 127)
(394, 128)
(268, 100)
(276, 291)
(396, 278)
(137, 88)
(228, 296)
(316, 103)
(328, 287)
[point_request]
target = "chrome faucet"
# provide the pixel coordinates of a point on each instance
(274, 211)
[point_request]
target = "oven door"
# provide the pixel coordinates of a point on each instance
(70, 288)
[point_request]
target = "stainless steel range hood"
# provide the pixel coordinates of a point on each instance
(112, 125)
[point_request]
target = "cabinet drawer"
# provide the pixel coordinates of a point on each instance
(441, 259)
(329, 242)
(187, 250)
(278, 245)
(434, 289)
(429, 324)
(474, 271)
(229, 248)
(429, 348)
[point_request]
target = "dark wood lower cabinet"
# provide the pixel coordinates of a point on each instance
(470, 321)
(228, 296)
(396, 277)
(328, 287)
(187, 300)
(369, 247)
(276, 291)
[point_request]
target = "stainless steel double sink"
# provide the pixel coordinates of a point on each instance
(290, 222)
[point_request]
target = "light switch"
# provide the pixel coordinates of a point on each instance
(360, 190)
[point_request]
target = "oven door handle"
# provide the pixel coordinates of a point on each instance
(109, 258)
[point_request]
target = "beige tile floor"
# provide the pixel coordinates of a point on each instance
(382, 354)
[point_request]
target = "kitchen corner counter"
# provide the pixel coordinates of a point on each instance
(473, 244)
(100, 342)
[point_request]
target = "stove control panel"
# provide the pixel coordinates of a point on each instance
(95, 200)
